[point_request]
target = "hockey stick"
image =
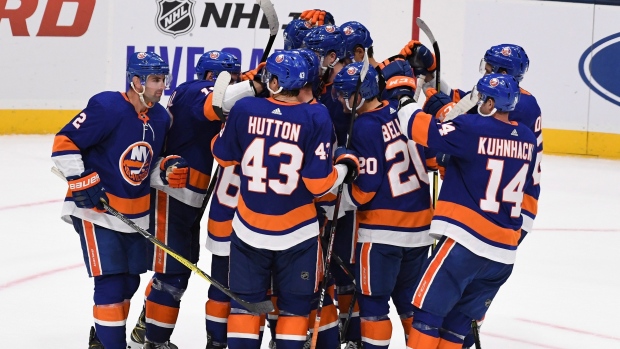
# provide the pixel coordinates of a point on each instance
(424, 27)
(330, 245)
(261, 307)
(465, 104)
(475, 330)
(274, 24)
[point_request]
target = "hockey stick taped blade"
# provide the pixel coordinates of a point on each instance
(272, 16)
(424, 27)
(365, 66)
(219, 89)
(263, 307)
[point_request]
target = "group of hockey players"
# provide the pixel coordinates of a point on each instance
(281, 148)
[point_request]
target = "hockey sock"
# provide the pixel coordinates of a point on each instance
(216, 318)
(109, 310)
(353, 331)
(291, 331)
(376, 332)
(162, 305)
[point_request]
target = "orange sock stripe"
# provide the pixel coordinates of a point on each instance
(292, 326)
(161, 315)
(446, 344)
(377, 331)
(406, 324)
(110, 314)
(419, 340)
(217, 311)
(126, 306)
(243, 326)
(147, 290)
(344, 302)
(329, 318)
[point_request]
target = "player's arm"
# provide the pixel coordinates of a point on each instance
(451, 137)
(85, 130)
(225, 146)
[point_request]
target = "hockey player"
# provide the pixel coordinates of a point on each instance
(295, 33)
(358, 43)
(107, 152)
(277, 141)
(174, 212)
(478, 215)
(393, 208)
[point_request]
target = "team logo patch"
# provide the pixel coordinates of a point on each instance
(494, 82)
(487, 303)
(598, 68)
(307, 24)
(347, 30)
(506, 51)
(175, 17)
(351, 70)
(141, 55)
(330, 28)
(135, 163)
(214, 54)
(279, 58)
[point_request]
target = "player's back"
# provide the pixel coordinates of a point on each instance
(392, 191)
(190, 137)
(284, 153)
(480, 202)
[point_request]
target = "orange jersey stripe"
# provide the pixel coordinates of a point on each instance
(91, 245)
(161, 231)
(109, 312)
(198, 179)
(360, 196)
(220, 229)
(276, 222)
(319, 186)
(63, 143)
(530, 204)
(208, 109)
(396, 218)
(127, 206)
(478, 223)
(161, 313)
(419, 129)
(425, 283)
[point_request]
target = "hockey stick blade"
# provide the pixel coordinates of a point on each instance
(365, 67)
(260, 307)
(424, 27)
(219, 88)
(460, 108)
(274, 25)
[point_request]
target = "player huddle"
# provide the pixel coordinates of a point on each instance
(320, 160)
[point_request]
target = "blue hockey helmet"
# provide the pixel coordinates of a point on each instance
(345, 82)
(289, 68)
(504, 89)
(355, 34)
(217, 62)
(295, 33)
(508, 57)
(143, 64)
(325, 39)
(313, 63)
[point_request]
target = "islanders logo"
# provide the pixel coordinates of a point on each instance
(494, 82)
(214, 55)
(348, 30)
(279, 58)
(598, 67)
(135, 163)
(351, 70)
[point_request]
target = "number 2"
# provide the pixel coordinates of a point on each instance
(78, 122)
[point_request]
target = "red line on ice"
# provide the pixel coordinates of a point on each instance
(570, 329)
(2, 208)
(518, 340)
(39, 275)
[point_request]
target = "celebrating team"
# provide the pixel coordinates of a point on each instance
(279, 148)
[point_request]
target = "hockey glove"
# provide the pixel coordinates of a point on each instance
(420, 58)
(174, 171)
(437, 104)
(348, 158)
(399, 86)
(87, 190)
(318, 17)
(254, 74)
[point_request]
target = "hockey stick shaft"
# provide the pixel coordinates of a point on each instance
(330, 244)
(261, 307)
(274, 24)
(475, 329)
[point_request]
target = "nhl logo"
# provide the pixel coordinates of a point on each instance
(279, 58)
(214, 54)
(494, 82)
(305, 275)
(351, 70)
(330, 28)
(175, 17)
(348, 30)
(487, 303)
(506, 51)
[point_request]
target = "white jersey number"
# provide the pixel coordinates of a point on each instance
(252, 167)
(513, 192)
(411, 156)
(229, 179)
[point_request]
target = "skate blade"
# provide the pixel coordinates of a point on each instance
(133, 345)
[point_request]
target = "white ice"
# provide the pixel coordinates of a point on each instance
(563, 293)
